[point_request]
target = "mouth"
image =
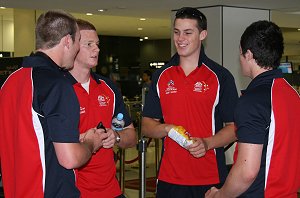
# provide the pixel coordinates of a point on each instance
(182, 45)
(94, 57)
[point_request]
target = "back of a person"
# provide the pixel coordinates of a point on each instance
(283, 171)
(22, 177)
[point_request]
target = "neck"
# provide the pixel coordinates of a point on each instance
(82, 75)
(258, 70)
(55, 54)
(188, 64)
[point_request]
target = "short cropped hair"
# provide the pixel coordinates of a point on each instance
(192, 13)
(264, 39)
(85, 25)
(52, 26)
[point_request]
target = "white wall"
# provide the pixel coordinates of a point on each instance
(235, 21)
(6, 35)
(213, 42)
(24, 36)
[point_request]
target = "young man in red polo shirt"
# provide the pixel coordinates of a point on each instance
(194, 92)
(100, 100)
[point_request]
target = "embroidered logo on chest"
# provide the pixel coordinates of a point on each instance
(200, 87)
(103, 100)
(82, 110)
(171, 89)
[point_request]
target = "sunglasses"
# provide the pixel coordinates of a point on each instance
(189, 12)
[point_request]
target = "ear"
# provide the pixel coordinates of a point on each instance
(203, 35)
(249, 55)
(66, 40)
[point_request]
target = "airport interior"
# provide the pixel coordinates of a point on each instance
(136, 36)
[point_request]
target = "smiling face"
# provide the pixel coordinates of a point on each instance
(89, 49)
(187, 37)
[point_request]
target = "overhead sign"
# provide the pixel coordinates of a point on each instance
(157, 65)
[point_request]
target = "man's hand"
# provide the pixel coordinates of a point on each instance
(94, 137)
(212, 193)
(110, 141)
(198, 148)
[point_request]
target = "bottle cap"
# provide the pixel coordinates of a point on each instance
(120, 116)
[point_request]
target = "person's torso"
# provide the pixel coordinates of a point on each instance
(97, 178)
(277, 106)
(33, 162)
(189, 101)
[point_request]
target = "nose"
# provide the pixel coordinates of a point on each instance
(96, 48)
(180, 37)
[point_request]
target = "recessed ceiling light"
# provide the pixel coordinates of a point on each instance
(142, 19)
(89, 14)
(141, 39)
(2, 7)
(140, 29)
(102, 10)
(298, 29)
(146, 37)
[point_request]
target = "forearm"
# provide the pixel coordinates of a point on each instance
(244, 171)
(224, 137)
(73, 155)
(235, 184)
(128, 137)
(83, 154)
(154, 129)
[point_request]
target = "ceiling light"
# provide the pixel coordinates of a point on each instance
(89, 14)
(142, 19)
(146, 37)
(2, 7)
(140, 29)
(102, 10)
(141, 39)
(298, 29)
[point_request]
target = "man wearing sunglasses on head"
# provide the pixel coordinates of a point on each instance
(195, 97)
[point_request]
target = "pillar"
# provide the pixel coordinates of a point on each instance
(24, 32)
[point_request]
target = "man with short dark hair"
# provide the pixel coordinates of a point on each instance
(198, 94)
(266, 117)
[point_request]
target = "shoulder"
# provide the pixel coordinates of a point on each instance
(174, 61)
(107, 81)
(219, 70)
(256, 100)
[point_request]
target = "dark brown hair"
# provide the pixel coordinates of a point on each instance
(52, 26)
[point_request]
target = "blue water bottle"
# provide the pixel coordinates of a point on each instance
(118, 123)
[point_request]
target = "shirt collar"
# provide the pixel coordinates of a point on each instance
(264, 78)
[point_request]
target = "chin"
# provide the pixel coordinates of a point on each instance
(91, 65)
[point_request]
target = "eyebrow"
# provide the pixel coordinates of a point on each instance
(184, 29)
(90, 41)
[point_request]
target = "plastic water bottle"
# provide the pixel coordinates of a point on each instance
(118, 123)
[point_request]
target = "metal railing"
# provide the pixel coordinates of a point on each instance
(142, 145)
